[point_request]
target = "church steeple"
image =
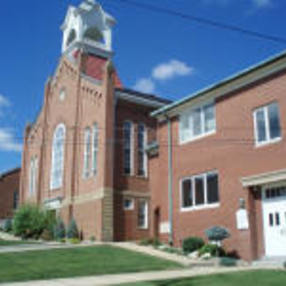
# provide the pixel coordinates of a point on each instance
(90, 27)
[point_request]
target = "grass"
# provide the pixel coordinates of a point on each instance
(15, 242)
(246, 278)
(75, 262)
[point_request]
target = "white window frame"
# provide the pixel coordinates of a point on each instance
(187, 113)
(146, 222)
(131, 148)
(33, 173)
(131, 207)
(145, 157)
(95, 148)
(268, 140)
(206, 205)
(55, 161)
(87, 153)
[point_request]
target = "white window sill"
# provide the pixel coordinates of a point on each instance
(201, 207)
(266, 143)
(197, 137)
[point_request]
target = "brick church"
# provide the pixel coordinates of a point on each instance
(128, 165)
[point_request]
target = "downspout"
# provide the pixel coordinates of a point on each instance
(170, 179)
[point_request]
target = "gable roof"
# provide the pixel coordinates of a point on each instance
(254, 73)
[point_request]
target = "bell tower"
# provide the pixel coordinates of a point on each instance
(89, 27)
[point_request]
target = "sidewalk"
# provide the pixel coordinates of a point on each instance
(131, 277)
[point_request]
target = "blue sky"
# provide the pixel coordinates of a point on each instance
(166, 55)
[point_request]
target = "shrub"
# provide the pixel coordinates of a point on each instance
(227, 261)
(59, 230)
(74, 241)
(284, 264)
(8, 225)
(192, 244)
(217, 233)
(29, 221)
(146, 241)
(72, 231)
(92, 238)
(47, 235)
(213, 249)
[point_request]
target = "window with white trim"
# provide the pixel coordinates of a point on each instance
(94, 148)
(128, 204)
(197, 122)
(267, 124)
(87, 149)
(33, 175)
(58, 150)
(199, 191)
(128, 148)
(143, 214)
(142, 156)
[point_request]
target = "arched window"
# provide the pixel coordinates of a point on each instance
(94, 148)
(93, 34)
(128, 148)
(142, 156)
(87, 145)
(33, 175)
(71, 37)
(57, 169)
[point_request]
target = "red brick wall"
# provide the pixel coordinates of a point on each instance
(9, 184)
(230, 151)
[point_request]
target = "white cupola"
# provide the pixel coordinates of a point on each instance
(90, 27)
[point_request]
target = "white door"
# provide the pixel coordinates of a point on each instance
(274, 217)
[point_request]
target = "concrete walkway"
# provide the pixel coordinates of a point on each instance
(131, 277)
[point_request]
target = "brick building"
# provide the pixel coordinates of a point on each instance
(84, 155)
(9, 193)
(224, 163)
(216, 157)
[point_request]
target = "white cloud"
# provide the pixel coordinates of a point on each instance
(262, 3)
(8, 141)
(145, 85)
(4, 102)
(171, 69)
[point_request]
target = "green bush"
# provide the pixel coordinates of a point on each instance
(146, 241)
(192, 244)
(74, 240)
(284, 264)
(227, 261)
(59, 230)
(217, 233)
(72, 231)
(29, 221)
(213, 249)
(92, 238)
(8, 225)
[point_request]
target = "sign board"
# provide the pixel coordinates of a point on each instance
(164, 227)
(242, 222)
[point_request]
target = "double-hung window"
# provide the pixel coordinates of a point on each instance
(143, 214)
(142, 156)
(128, 147)
(197, 122)
(94, 149)
(87, 145)
(33, 175)
(267, 124)
(200, 191)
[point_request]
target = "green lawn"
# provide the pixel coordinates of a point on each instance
(83, 261)
(245, 278)
(14, 242)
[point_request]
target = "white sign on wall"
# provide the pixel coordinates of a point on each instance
(164, 227)
(242, 222)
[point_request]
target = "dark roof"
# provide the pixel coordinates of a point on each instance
(144, 95)
(10, 172)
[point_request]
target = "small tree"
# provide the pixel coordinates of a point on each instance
(8, 225)
(72, 231)
(217, 234)
(29, 221)
(59, 229)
